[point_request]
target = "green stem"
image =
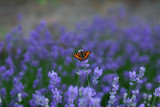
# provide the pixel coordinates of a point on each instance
(76, 102)
(153, 101)
(88, 81)
(129, 90)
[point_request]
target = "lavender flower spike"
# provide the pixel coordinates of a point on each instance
(56, 96)
(86, 97)
(141, 74)
(39, 100)
(97, 74)
(115, 85)
(84, 72)
(133, 77)
(85, 63)
(157, 92)
(72, 95)
(54, 79)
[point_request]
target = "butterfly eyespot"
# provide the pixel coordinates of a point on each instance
(82, 55)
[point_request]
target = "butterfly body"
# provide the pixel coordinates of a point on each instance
(82, 55)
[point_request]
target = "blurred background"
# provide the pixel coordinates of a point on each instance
(67, 12)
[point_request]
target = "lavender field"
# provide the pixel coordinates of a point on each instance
(123, 69)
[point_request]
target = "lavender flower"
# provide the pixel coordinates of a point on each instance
(86, 98)
(18, 88)
(149, 86)
(96, 102)
(141, 74)
(3, 93)
(54, 79)
(129, 101)
(85, 63)
(132, 76)
(157, 92)
(35, 83)
(147, 98)
(84, 72)
(141, 105)
(56, 96)
(17, 105)
(115, 85)
(97, 74)
(72, 94)
(39, 100)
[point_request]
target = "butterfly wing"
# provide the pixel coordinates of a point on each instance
(87, 53)
(78, 56)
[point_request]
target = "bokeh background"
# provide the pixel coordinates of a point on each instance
(68, 12)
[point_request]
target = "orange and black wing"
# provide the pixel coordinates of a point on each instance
(78, 56)
(87, 53)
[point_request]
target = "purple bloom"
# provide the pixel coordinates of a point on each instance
(39, 100)
(39, 73)
(2, 69)
(85, 63)
(54, 79)
(141, 105)
(106, 89)
(132, 76)
(97, 74)
(149, 86)
(7, 74)
(27, 57)
(3, 93)
(18, 88)
(35, 83)
(35, 63)
(96, 102)
(135, 92)
(141, 74)
(122, 91)
(137, 77)
(112, 99)
(108, 78)
(129, 101)
(56, 96)
(70, 105)
(54, 65)
(115, 85)
(86, 97)
(18, 105)
(84, 72)
(68, 60)
(72, 93)
(9, 62)
(157, 92)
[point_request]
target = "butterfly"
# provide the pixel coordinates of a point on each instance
(82, 55)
